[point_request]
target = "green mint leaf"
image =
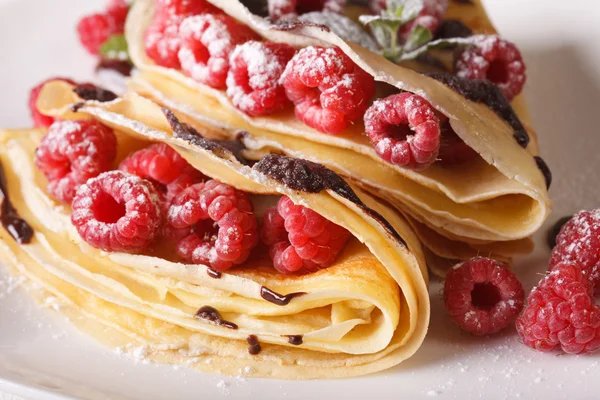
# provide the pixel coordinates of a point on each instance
(115, 48)
(418, 37)
(439, 44)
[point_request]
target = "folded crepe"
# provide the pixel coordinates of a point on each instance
(489, 205)
(367, 312)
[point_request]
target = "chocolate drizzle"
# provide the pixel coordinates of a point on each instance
(123, 67)
(555, 230)
(276, 298)
(18, 228)
(213, 273)
(91, 92)
(296, 340)
(469, 2)
(545, 170)
(481, 91)
(211, 314)
(452, 28)
(254, 345)
(257, 7)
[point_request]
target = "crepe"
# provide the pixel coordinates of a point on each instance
(501, 197)
(367, 312)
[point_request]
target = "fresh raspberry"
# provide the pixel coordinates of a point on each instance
(253, 79)
(495, 59)
(561, 312)
(301, 240)
(290, 9)
(430, 18)
(118, 10)
(453, 150)
(40, 120)
(207, 41)
(185, 8)
(482, 295)
(327, 88)
(221, 226)
(161, 164)
(579, 242)
(404, 129)
(117, 211)
(73, 152)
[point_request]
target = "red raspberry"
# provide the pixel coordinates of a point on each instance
(453, 150)
(117, 211)
(561, 312)
(301, 240)
(430, 18)
(185, 8)
(73, 152)
(579, 242)
(162, 164)
(207, 40)
(482, 295)
(327, 88)
(496, 60)
(95, 29)
(118, 10)
(405, 130)
(289, 9)
(221, 226)
(253, 79)
(40, 120)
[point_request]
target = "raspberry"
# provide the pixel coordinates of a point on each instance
(185, 8)
(327, 88)
(221, 226)
(579, 242)
(95, 29)
(404, 129)
(289, 9)
(206, 42)
(301, 240)
(117, 211)
(430, 18)
(40, 120)
(253, 78)
(118, 10)
(482, 295)
(561, 312)
(496, 60)
(161, 164)
(453, 150)
(73, 152)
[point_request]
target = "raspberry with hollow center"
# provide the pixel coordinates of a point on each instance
(218, 223)
(162, 164)
(40, 120)
(405, 130)
(561, 313)
(207, 41)
(579, 242)
(253, 79)
(73, 152)
(299, 239)
(482, 295)
(290, 9)
(328, 89)
(495, 59)
(117, 211)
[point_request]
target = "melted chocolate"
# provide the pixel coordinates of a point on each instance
(555, 230)
(221, 148)
(469, 2)
(214, 273)
(254, 345)
(453, 28)
(90, 92)
(121, 66)
(545, 170)
(18, 228)
(211, 314)
(487, 93)
(296, 340)
(77, 106)
(276, 298)
(257, 7)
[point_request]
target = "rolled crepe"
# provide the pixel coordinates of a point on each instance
(367, 312)
(500, 197)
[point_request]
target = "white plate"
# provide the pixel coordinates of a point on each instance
(43, 357)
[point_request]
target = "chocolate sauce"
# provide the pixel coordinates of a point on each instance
(214, 273)
(254, 345)
(276, 298)
(452, 28)
(555, 230)
(211, 314)
(91, 92)
(77, 106)
(257, 7)
(296, 340)
(485, 92)
(545, 170)
(470, 2)
(18, 228)
(123, 67)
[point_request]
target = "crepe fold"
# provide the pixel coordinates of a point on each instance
(367, 312)
(501, 197)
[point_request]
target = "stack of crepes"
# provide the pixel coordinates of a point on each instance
(488, 206)
(368, 311)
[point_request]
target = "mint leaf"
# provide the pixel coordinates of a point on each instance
(115, 48)
(419, 36)
(439, 44)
